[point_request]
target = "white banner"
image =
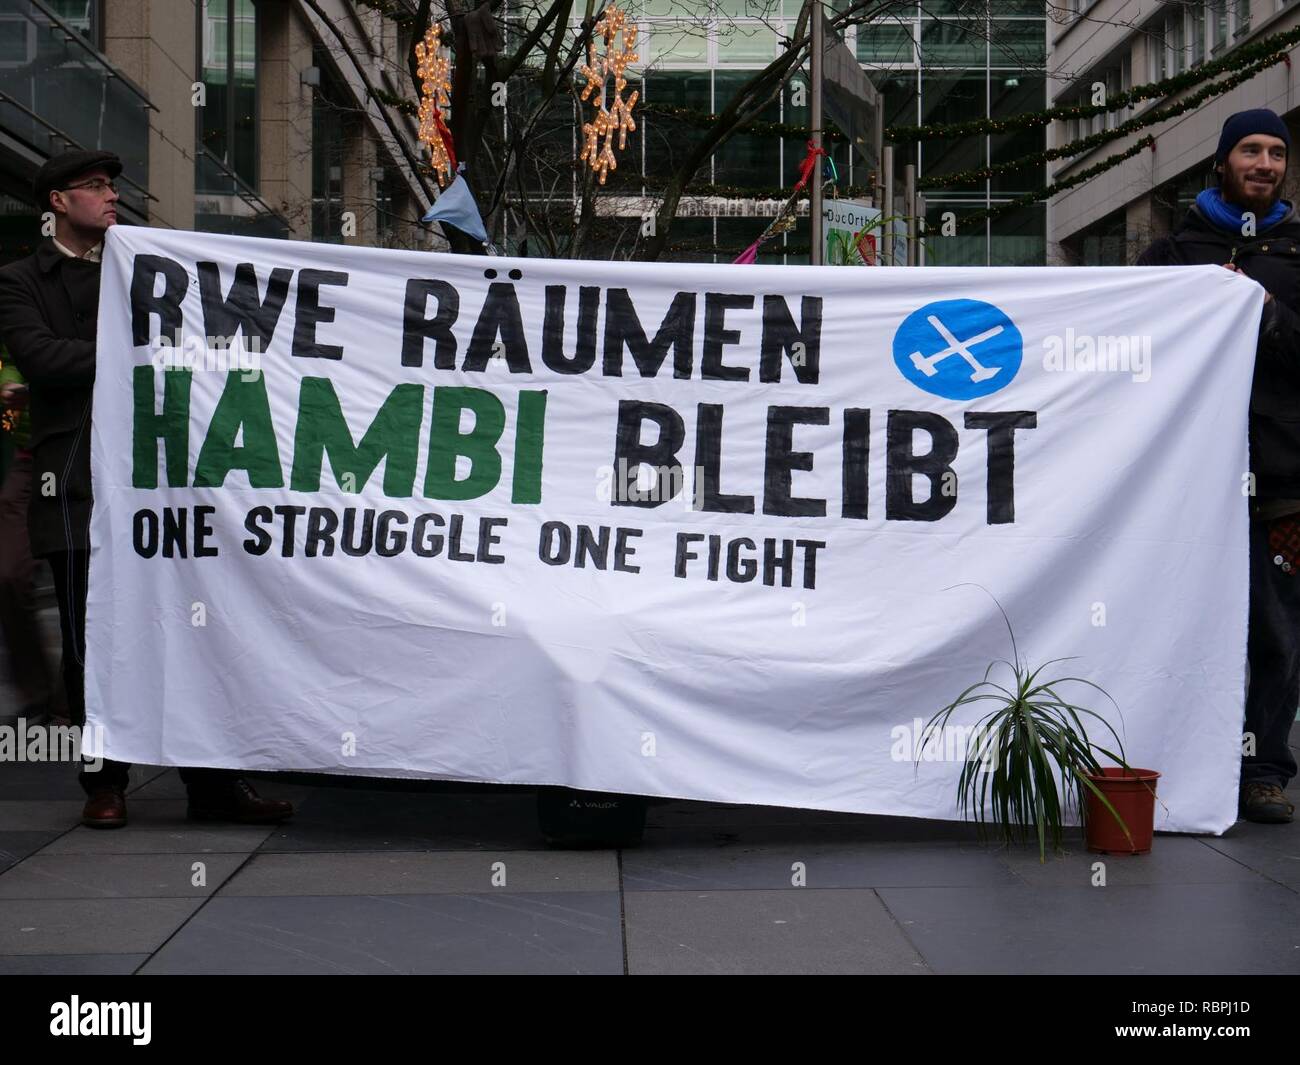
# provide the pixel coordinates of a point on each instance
(417, 528)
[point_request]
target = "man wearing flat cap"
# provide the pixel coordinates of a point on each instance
(1245, 226)
(49, 305)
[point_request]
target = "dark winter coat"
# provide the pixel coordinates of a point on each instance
(48, 308)
(1272, 259)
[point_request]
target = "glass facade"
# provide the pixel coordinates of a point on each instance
(970, 66)
(941, 61)
(228, 70)
(58, 91)
(1186, 34)
(226, 168)
(327, 143)
(1176, 38)
(82, 15)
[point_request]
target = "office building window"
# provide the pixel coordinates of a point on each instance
(1218, 26)
(328, 119)
(999, 52)
(1176, 41)
(938, 62)
(1241, 19)
(886, 43)
(228, 70)
(84, 16)
(1185, 35)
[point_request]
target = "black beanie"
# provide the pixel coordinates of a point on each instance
(1243, 124)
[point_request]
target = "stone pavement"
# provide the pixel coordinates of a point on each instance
(454, 878)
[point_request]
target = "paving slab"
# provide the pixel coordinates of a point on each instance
(542, 933)
(1246, 928)
(424, 873)
(90, 926)
(71, 964)
(1271, 851)
(1172, 860)
(798, 930)
(39, 815)
(154, 838)
(39, 780)
(721, 866)
(162, 783)
(15, 846)
(118, 876)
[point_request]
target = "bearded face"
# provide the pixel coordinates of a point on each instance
(1252, 174)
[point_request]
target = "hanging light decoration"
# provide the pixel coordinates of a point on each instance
(616, 118)
(434, 69)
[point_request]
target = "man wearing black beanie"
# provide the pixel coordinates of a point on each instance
(1245, 226)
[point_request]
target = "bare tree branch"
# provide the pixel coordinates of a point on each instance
(373, 94)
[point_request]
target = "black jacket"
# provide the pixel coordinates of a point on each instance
(1273, 259)
(48, 309)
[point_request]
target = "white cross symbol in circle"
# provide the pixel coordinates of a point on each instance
(979, 372)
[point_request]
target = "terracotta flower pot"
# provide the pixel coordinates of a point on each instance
(1132, 792)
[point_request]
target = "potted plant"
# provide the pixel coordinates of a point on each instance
(1032, 761)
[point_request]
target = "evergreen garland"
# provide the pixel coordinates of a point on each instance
(704, 119)
(1084, 144)
(1060, 186)
(1235, 60)
(398, 103)
(623, 183)
(1245, 63)
(390, 10)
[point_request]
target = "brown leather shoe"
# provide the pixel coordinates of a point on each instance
(105, 808)
(238, 802)
(1265, 804)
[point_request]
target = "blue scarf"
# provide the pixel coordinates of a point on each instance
(1228, 216)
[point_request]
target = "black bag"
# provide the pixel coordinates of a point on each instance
(570, 818)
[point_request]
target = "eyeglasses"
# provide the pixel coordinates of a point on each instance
(98, 185)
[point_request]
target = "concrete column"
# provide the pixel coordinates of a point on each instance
(1144, 222)
(284, 115)
(1291, 183)
(153, 43)
(359, 161)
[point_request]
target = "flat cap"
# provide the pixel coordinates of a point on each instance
(64, 168)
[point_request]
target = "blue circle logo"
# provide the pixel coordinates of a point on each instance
(958, 349)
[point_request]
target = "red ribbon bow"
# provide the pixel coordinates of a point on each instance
(445, 134)
(806, 167)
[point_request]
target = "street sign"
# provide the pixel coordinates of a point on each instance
(853, 237)
(850, 99)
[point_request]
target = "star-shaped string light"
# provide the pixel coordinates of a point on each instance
(434, 69)
(598, 134)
